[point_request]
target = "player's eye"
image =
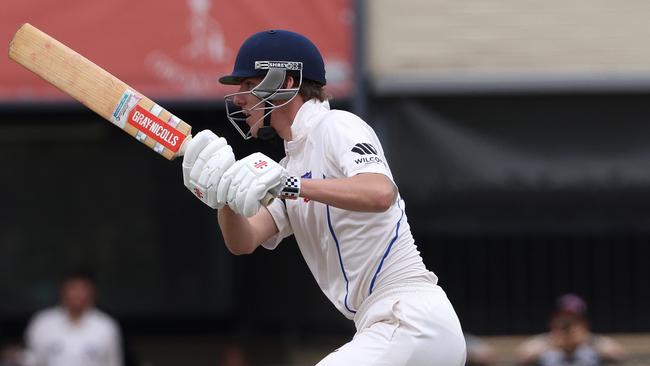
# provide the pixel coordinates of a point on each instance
(248, 85)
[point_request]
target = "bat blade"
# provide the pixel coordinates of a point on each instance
(100, 91)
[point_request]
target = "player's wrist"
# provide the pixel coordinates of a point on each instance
(289, 187)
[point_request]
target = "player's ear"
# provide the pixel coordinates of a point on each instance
(289, 82)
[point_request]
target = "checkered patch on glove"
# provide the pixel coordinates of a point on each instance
(290, 188)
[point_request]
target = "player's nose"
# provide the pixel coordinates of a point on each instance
(239, 100)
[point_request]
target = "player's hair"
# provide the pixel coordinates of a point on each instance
(309, 89)
(563, 320)
(80, 273)
(312, 90)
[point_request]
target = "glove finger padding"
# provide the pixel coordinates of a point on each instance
(253, 197)
(241, 197)
(196, 145)
(271, 178)
(216, 167)
(208, 152)
(224, 183)
(241, 177)
(248, 200)
(247, 181)
(208, 156)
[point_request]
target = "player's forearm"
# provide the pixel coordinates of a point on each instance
(237, 232)
(366, 192)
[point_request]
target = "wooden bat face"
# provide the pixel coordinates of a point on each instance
(100, 91)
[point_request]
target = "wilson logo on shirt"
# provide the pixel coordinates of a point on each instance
(364, 148)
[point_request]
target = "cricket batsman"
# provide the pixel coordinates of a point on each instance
(337, 196)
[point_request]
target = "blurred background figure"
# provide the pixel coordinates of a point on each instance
(75, 332)
(11, 355)
(519, 130)
(569, 340)
(479, 352)
(234, 355)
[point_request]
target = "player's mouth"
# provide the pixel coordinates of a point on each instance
(247, 115)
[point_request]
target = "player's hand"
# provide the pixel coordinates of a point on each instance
(206, 159)
(247, 181)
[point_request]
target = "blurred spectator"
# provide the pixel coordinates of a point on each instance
(74, 333)
(11, 354)
(479, 353)
(569, 340)
(233, 355)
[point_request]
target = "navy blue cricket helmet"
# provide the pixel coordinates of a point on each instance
(276, 45)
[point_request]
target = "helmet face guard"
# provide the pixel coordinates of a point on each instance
(268, 90)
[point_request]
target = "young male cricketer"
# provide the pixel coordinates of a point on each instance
(336, 195)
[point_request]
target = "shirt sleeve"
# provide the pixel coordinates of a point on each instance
(34, 354)
(30, 334)
(278, 211)
(115, 355)
(352, 147)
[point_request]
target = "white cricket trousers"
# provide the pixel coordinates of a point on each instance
(407, 325)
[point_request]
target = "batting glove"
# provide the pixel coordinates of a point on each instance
(248, 180)
(206, 159)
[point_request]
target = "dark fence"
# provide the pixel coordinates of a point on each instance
(513, 201)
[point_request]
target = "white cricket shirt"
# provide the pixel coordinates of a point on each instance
(351, 254)
(54, 340)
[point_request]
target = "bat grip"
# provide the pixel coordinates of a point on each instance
(181, 150)
(267, 199)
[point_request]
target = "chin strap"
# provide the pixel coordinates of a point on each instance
(266, 132)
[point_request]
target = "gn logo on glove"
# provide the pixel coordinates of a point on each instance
(364, 148)
(198, 193)
(260, 164)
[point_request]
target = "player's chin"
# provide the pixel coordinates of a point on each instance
(251, 119)
(254, 132)
(253, 125)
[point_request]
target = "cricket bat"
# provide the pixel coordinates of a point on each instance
(102, 92)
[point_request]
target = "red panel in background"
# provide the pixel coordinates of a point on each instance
(172, 50)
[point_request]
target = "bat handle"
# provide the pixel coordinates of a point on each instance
(181, 150)
(267, 199)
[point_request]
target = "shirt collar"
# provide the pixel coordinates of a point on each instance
(304, 122)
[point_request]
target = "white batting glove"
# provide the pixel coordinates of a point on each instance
(247, 181)
(206, 159)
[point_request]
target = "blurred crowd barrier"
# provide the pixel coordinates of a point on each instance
(448, 46)
(636, 345)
